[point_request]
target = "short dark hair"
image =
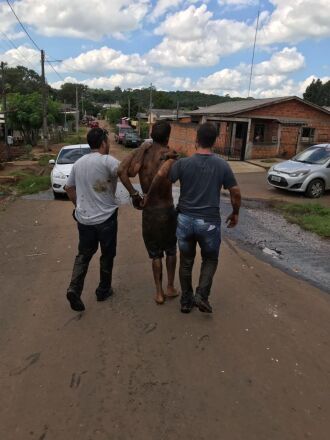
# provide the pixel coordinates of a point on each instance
(161, 131)
(206, 135)
(95, 137)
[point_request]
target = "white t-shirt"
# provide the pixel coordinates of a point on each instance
(95, 178)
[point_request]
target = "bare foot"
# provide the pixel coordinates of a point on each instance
(159, 298)
(171, 292)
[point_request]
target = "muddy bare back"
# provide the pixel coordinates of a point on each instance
(153, 159)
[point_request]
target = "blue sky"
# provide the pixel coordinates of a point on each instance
(175, 44)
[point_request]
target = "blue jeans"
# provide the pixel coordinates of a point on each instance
(191, 231)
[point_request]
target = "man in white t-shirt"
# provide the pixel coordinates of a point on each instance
(91, 187)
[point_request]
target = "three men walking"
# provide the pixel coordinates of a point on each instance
(196, 220)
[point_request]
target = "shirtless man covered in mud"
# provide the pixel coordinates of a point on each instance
(159, 215)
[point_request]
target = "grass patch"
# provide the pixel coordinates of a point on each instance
(310, 216)
(28, 183)
(76, 138)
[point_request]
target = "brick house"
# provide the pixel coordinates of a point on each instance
(257, 128)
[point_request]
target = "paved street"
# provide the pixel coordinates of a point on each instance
(128, 369)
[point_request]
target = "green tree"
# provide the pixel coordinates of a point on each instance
(67, 93)
(163, 100)
(314, 92)
(113, 115)
(25, 114)
(134, 106)
(22, 80)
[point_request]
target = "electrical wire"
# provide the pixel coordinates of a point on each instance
(23, 27)
(32, 40)
(18, 50)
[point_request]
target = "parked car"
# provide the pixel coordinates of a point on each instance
(63, 165)
(308, 172)
(132, 139)
(121, 130)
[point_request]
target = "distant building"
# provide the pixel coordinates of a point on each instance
(257, 128)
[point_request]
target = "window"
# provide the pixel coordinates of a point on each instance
(259, 133)
(307, 134)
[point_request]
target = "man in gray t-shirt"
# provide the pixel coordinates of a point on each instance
(91, 187)
(201, 178)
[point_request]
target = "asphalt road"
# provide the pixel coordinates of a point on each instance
(258, 368)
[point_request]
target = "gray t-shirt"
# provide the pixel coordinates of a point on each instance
(95, 178)
(201, 178)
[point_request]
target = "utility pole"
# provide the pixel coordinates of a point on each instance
(254, 49)
(4, 108)
(77, 111)
(150, 103)
(44, 102)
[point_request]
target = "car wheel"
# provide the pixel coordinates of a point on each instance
(315, 189)
(56, 195)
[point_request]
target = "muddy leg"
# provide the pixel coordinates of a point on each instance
(170, 266)
(157, 269)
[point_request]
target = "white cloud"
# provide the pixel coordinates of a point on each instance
(192, 38)
(22, 56)
(296, 20)
(237, 2)
(105, 59)
(286, 61)
(163, 6)
(270, 77)
(91, 19)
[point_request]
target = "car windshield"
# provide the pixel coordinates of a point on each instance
(314, 155)
(71, 155)
(131, 135)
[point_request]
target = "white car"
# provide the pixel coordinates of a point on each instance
(308, 172)
(63, 165)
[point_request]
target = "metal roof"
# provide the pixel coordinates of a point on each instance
(244, 105)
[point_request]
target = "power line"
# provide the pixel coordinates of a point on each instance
(18, 50)
(23, 27)
(32, 40)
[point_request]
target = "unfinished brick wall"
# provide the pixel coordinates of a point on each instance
(15, 151)
(183, 138)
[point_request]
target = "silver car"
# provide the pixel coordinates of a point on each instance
(308, 172)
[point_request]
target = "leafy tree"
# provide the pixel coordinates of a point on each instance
(113, 115)
(25, 114)
(22, 80)
(67, 92)
(314, 92)
(163, 100)
(134, 106)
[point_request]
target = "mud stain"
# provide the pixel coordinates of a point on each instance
(100, 186)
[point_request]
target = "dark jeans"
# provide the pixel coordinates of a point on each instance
(191, 231)
(90, 236)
